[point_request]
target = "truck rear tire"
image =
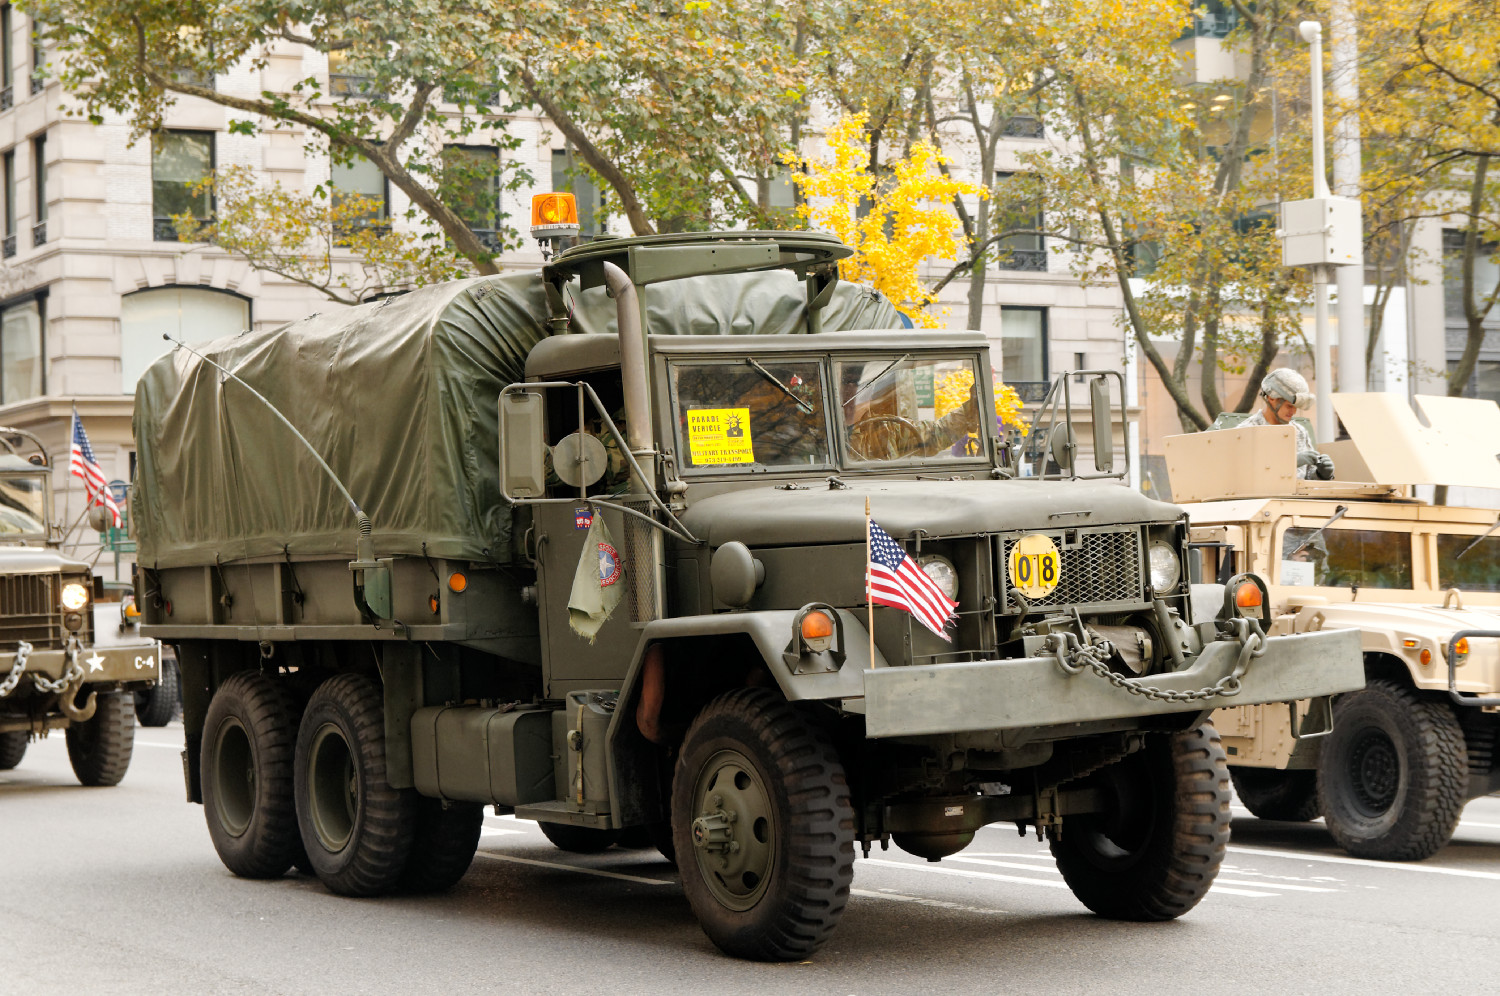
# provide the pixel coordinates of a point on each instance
(249, 739)
(762, 827)
(12, 749)
(1271, 794)
(1156, 851)
(579, 840)
(158, 706)
(356, 828)
(444, 839)
(100, 749)
(1393, 774)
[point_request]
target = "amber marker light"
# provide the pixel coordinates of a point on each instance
(457, 582)
(1425, 657)
(817, 631)
(1409, 644)
(432, 603)
(1461, 647)
(1247, 599)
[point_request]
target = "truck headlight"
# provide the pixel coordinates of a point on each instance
(74, 596)
(1165, 569)
(943, 574)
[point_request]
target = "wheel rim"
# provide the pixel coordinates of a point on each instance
(234, 777)
(733, 830)
(1374, 771)
(333, 799)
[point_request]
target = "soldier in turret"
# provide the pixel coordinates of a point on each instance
(1283, 393)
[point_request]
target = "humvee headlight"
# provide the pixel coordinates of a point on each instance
(74, 596)
(1165, 570)
(943, 574)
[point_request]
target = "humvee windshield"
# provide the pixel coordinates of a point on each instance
(1476, 570)
(22, 505)
(1339, 558)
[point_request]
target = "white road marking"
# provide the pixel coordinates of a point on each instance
(1287, 886)
(1471, 824)
(938, 870)
(1335, 859)
(921, 901)
(1001, 864)
(152, 743)
(600, 872)
(498, 831)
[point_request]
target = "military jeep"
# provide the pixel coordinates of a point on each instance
(54, 675)
(1420, 583)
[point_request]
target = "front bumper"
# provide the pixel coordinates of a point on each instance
(101, 665)
(1034, 691)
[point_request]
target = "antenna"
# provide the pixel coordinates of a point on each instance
(372, 578)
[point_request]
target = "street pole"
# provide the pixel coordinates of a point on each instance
(1312, 33)
(1349, 280)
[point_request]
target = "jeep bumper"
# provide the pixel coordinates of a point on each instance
(135, 663)
(1031, 692)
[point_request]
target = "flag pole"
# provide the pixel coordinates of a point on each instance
(869, 595)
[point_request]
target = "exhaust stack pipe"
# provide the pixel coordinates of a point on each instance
(643, 544)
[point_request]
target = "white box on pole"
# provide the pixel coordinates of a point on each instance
(1321, 231)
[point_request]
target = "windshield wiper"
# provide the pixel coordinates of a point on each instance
(1480, 539)
(1339, 512)
(876, 379)
(768, 375)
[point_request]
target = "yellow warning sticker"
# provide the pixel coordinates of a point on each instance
(719, 436)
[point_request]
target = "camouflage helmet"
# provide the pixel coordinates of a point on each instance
(1287, 384)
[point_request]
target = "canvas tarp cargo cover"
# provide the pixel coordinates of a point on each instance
(399, 397)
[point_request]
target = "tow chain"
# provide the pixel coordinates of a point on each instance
(71, 676)
(23, 650)
(1074, 657)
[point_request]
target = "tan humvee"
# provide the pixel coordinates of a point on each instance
(1359, 552)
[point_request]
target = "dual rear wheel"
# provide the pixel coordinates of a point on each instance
(281, 789)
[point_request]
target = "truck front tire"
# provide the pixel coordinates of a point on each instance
(249, 737)
(157, 706)
(356, 828)
(1393, 774)
(100, 749)
(762, 827)
(1153, 854)
(444, 839)
(12, 749)
(1271, 794)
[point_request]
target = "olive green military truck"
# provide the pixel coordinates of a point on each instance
(1419, 583)
(473, 604)
(57, 670)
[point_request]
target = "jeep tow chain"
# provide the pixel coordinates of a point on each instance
(1075, 657)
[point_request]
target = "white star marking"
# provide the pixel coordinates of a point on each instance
(96, 662)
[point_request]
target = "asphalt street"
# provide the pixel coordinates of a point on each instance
(119, 891)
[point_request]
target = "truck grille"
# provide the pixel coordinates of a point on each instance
(29, 611)
(1102, 569)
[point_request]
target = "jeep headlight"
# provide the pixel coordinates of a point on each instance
(1165, 569)
(74, 596)
(943, 574)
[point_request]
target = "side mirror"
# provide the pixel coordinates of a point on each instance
(99, 518)
(1099, 413)
(1063, 448)
(523, 445)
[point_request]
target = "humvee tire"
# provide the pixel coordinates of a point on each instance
(12, 749)
(100, 749)
(1271, 794)
(249, 737)
(1156, 850)
(444, 839)
(356, 828)
(579, 840)
(1393, 773)
(771, 881)
(157, 706)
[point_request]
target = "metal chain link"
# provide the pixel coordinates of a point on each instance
(1074, 657)
(23, 650)
(73, 673)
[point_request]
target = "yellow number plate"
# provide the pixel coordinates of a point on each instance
(1035, 566)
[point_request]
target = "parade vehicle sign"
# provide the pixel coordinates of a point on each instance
(391, 605)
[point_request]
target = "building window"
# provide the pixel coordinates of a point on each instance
(39, 185)
(38, 59)
(21, 352)
(1018, 205)
(1023, 350)
(8, 177)
(1486, 275)
(7, 58)
(193, 314)
(471, 176)
(343, 83)
(568, 176)
(180, 161)
(359, 177)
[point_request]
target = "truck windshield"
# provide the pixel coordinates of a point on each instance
(1476, 570)
(904, 408)
(21, 505)
(766, 413)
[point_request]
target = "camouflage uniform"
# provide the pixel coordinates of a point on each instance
(1307, 453)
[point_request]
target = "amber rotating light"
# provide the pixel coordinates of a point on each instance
(554, 216)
